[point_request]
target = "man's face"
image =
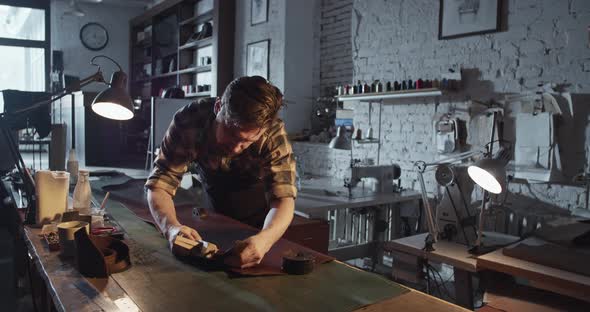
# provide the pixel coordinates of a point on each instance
(231, 139)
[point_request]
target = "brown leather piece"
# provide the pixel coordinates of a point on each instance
(224, 231)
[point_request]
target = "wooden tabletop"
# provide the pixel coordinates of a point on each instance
(413, 301)
(447, 252)
(444, 251)
(149, 284)
(540, 276)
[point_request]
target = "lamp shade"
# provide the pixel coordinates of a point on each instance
(340, 141)
(490, 174)
(114, 102)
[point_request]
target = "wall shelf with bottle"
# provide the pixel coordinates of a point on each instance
(374, 97)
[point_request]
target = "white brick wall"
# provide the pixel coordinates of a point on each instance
(335, 45)
(545, 40)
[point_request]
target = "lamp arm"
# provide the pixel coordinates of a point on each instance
(453, 158)
(96, 77)
(432, 226)
(108, 58)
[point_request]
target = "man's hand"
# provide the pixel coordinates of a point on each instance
(185, 231)
(249, 252)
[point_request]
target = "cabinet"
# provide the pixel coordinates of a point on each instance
(184, 43)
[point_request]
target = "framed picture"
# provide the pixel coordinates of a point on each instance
(460, 18)
(258, 11)
(257, 59)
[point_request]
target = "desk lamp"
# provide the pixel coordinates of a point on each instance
(112, 103)
(342, 142)
(490, 175)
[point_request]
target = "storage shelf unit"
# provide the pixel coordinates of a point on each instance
(162, 54)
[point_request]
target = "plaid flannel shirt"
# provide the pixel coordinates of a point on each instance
(270, 158)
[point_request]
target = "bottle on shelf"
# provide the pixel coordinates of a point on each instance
(366, 88)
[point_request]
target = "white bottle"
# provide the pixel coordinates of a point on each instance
(52, 189)
(82, 193)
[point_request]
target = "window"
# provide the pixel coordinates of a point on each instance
(24, 45)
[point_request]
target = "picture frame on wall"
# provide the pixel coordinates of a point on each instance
(258, 12)
(257, 58)
(460, 18)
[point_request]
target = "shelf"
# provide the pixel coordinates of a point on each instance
(172, 73)
(198, 94)
(367, 141)
(391, 95)
(199, 69)
(196, 44)
(197, 19)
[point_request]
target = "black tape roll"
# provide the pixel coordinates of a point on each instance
(298, 264)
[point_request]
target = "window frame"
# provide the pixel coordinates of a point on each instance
(25, 43)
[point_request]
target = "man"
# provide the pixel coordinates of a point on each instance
(243, 159)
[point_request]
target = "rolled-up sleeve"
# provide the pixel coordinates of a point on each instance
(280, 164)
(177, 150)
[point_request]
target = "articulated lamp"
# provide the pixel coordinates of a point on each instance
(340, 141)
(488, 173)
(112, 103)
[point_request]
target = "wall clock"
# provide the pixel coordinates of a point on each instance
(94, 36)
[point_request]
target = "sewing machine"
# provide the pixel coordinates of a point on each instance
(383, 175)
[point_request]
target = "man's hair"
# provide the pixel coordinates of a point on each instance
(251, 102)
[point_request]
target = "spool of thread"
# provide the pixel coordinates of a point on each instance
(369, 133)
(298, 264)
(358, 134)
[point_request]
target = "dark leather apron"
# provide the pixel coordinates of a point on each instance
(238, 194)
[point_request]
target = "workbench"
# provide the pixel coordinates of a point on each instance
(456, 255)
(353, 220)
(157, 281)
(539, 276)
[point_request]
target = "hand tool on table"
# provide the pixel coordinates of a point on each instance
(187, 247)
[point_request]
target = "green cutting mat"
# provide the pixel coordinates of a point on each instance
(158, 281)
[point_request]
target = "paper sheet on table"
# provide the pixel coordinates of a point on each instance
(534, 157)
